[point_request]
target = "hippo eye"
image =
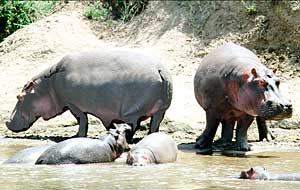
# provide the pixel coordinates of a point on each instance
(262, 83)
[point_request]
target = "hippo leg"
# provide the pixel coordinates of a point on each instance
(81, 119)
(204, 141)
(263, 130)
(227, 131)
(241, 132)
(155, 121)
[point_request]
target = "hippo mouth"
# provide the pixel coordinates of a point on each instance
(245, 175)
(10, 124)
(276, 112)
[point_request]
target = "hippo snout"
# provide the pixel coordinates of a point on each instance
(12, 125)
(276, 111)
(138, 164)
(288, 108)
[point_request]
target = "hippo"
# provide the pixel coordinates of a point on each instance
(27, 156)
(118, 85)
(228, 127)
(155, 148)
(261, 173)
(83, 150)
(232, 85)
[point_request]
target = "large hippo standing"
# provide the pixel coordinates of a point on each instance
(119, 85)
(155, 148)
(86, 150)
(261, 173)
(232, 85)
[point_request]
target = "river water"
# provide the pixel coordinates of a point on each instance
(191, 171)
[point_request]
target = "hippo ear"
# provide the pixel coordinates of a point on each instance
(114, 132)
(29, 86)
(274, 71)
(122, 127)
(246, 77)
(253, 72)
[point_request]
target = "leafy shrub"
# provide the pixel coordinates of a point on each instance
(118, 9)
(15, 14)
(250, 7)
(96, 11)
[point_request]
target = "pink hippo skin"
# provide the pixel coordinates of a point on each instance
(260, 173)
(120, 85)
(231, 85)
(155, 148)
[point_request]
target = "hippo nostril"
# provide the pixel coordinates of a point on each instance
(289, 106)
(269, 103)
(281, 106)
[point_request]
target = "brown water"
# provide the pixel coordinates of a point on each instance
(191, 171)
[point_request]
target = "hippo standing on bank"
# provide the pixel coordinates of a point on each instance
(232, 85)
(120, 85)
(155, 148)
(86, 150)
(261, 173)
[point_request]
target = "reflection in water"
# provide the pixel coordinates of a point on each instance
(191, 171)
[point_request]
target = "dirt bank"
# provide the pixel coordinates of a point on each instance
(180, 34)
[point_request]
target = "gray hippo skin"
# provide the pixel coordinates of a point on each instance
(27, 156)
(231, 85)
(118, 86)
(261, 173)
(155, 148)
(86, 150)
(228, 127)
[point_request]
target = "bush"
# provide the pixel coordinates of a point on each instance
(96, 11)
(118, 9)
(250, 7)
(15, 14)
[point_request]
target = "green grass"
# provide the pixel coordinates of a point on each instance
(250, 7)
(124, 10)
(96, 11)
(16, 14)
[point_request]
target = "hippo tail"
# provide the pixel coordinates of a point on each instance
(167, 87)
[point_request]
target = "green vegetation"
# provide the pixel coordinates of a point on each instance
(15, 14)
(250, 7)
(118, 9)
(96, 11)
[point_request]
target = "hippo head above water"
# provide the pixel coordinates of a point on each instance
(258, 94)
(138, 158)
(28, 108)
(257, 172)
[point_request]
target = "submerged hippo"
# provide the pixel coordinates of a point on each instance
(232, 85)
(27, 156)
(86, 150)
(261, 173)
(155, 148)
(120, 85)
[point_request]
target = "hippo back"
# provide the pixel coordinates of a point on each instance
(77, 151)
(163, 147)
(27, 156)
